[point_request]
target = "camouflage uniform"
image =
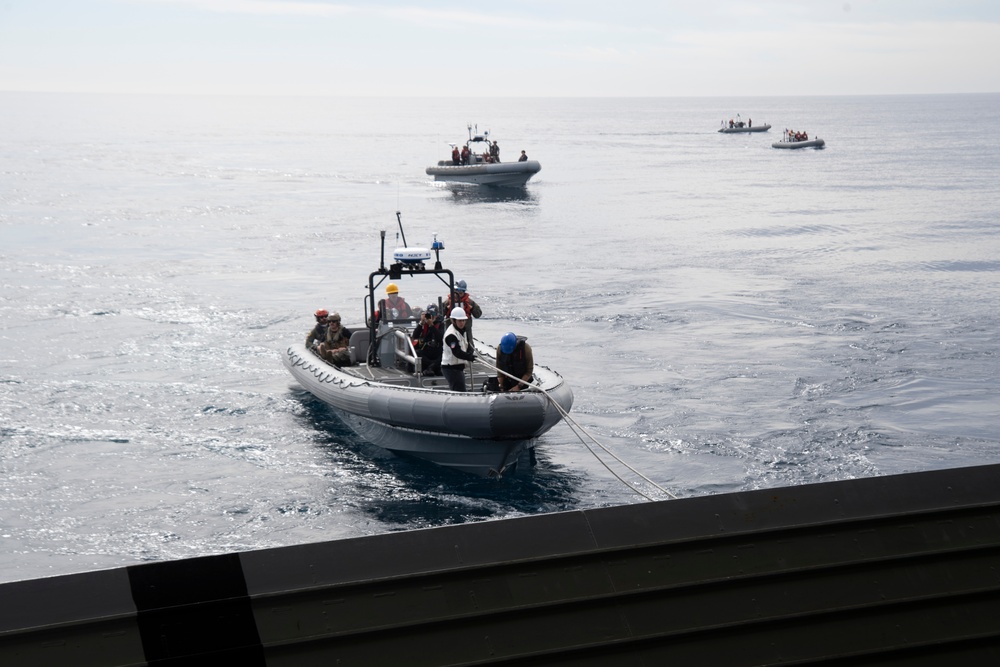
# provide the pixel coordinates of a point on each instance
(334, 348)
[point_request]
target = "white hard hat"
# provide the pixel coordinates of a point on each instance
(458, 313)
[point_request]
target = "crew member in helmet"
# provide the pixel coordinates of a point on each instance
(514, 358)
(394, 306)
(462, 298)
(334, 347)
(318, 333)
(457, 350)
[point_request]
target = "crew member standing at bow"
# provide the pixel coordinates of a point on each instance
(457, 350)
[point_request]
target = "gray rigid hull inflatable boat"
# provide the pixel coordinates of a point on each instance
(798, 140)
(479, 432)
(479, 170)
(385, 396)
(744, 129)
(503, 174)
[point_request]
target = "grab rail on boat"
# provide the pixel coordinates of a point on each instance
(405, 351)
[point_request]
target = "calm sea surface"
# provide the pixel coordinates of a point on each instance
(729, 316)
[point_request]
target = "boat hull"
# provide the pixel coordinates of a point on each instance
(483, 458)
(502, 174)
(812, 143)
(476, 432)
(738, 130)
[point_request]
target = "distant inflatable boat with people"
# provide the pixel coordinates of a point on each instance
(383, 390)
(738, 126)
(478, 162)
(793, 139)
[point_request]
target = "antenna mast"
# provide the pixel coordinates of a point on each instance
(399, 219)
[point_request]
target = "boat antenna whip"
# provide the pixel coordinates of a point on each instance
(399, 219)
(578, 430)
(382, 260)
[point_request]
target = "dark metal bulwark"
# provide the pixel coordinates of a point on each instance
(900, 570)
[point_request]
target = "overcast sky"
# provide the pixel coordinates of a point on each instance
(501, 48)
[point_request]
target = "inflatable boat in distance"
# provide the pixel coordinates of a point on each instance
(475, 165)
(742, 129)
(792, 139)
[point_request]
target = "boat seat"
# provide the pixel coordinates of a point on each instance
(358, 346)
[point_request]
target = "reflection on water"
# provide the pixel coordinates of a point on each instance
(466, 193)
(409, 492)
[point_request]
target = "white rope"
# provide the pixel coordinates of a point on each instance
(575, 427)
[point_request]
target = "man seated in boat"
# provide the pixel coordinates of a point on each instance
(514, 358)
(334, 348)
(393, 306)
(523, 158)
(318, 333)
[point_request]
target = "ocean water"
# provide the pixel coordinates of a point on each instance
(729, 316)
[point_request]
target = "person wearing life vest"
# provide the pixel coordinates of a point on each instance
(318, 333)
(334, 348)
(514, 358)
(457, 350)
(427, 340)
(462, 298)
(394, 306)
(456, 157)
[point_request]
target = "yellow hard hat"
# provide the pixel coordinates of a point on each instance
(391, 289)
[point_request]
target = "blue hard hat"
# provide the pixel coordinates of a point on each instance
(508, 342)
(460, 286)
